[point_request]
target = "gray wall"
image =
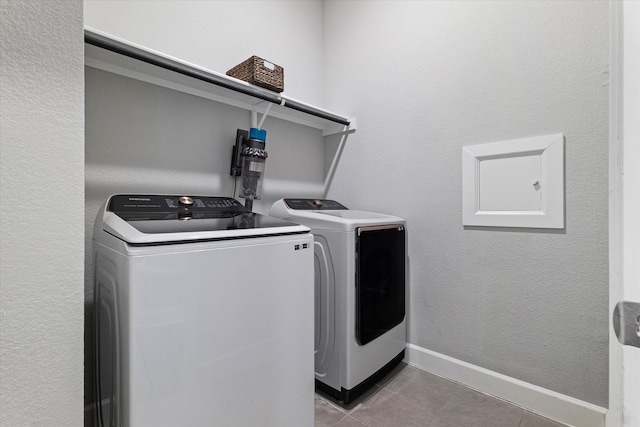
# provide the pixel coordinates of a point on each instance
(427, 78)
(41, 213)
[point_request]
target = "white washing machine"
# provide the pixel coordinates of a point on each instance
(203, 315)
(360, 284)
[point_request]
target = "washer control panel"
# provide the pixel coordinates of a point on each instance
(133, 206)
(313, 204)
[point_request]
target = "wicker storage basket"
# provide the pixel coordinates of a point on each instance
(259, 72)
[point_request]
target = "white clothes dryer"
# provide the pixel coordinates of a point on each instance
(203, 315)
(360, 285)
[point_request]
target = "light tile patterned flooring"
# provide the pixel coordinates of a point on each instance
(409, 397)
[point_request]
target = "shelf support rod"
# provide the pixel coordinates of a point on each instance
(334, 164)
(264, 115)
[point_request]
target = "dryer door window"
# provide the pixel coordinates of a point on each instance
(380, 280)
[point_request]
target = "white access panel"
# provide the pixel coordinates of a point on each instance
(519, 192)
(517, 183)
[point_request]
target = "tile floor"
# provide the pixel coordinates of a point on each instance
(410, 397)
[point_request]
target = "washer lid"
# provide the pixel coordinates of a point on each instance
(157, 219)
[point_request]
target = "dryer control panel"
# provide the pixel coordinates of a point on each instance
(313, 204)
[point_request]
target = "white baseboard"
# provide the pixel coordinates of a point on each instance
(547, 403)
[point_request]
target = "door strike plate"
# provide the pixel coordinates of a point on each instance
(626, 323)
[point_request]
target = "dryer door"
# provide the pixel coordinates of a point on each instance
(380, 280)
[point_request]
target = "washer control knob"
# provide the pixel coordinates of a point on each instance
(185, 201)
(184, 216)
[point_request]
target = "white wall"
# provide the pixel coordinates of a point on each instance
(41, 213)
(427, 78)
(220, 34)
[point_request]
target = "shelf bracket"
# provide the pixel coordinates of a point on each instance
(254, 114)
(344, 134)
